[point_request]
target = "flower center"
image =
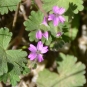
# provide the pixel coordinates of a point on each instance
(57, 15)
(38, 52)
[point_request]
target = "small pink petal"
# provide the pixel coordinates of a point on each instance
(32, 48)
(45, 35)
(32, 56)
(56, 21)
(55, 9)
(61, 11)
(40, 57)
(45, 49)
(40, 45)
(51, 17)
(61, 19)
(39, 34)
(45, 21)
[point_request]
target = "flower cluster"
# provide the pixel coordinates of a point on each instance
(56, 18)
(38, 51)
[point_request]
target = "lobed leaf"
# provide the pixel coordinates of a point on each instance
(5, 37)
(11, 61)
(8, 5)
(71, 74)
(34, 21)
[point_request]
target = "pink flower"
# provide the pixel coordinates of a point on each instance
(45, 21)
(45, 35)
(57, 16)
(39, 34)
(37, 52)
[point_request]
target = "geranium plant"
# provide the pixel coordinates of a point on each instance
(30, 32)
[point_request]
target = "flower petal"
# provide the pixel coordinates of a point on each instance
(51, 17)
(45, 49)
(32, 56)
(59, 34)
(40, 46)
(61, 11)
(39, 34)
(61, 19)
(56, 21)
(55, 9)
(32, 48)
(45, 21)
(40, 57)
(45, 35)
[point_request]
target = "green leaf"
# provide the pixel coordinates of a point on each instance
(71, 74)
(46, 78)
(11, 61)
(16, 58)
(4, 78)
(7, 5)
(35, 22)
(26, 70)
(14, 78)
(77, 4)
(3, 63)
(12, 75)
(5, 37)
(16, 55)
(32, 35)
